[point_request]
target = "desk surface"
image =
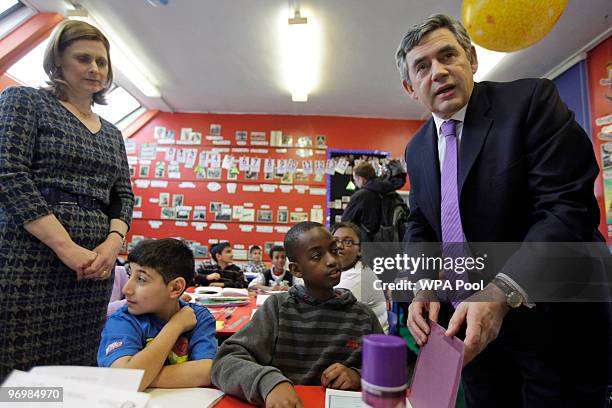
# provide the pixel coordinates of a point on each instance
(238, 319)
(311, 396)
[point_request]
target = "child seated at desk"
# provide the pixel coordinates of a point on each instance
(172, 341)
(277, 277)
(221, 272)
(310, 335)
(255, 265)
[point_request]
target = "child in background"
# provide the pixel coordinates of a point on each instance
(277, 277)
(222, 272)
(255, 265)
(172, 341)
(356, 277)
(310, 335)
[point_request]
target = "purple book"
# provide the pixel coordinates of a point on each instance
(438, 371)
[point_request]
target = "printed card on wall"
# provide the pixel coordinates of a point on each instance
(215, 160)
(606, 155)
(159, 132)
(228, 162)
(269, 165)
(342, 165)
(307, 166)
(258, 138)
(204, 159)
(276, 137)
(160, 170)
(330, 167)
(316, 215)
(241, 137)
(281, 166)
(215, 129)
(244, 164)
(170, 154)
(181, 155)
(130, 146)
(291, 166)
(319, 167)
(185, 134)
(255, 164)
(148, 151)
(190, 158)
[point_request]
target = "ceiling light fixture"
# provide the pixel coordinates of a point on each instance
(300, 53)
(122, 61)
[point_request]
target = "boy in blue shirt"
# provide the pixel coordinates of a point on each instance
(172, 341)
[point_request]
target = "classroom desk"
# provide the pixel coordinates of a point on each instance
(311, 396)
(242, 314)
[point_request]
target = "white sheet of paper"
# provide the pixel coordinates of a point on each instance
(119, 378)
(155, 224)
(342, 399)
(261, 299)
(318, 191)
(142, 183)
(183, 397)
(78, 394)
(199, 226)
(216, 226)
(159, 183)
(264, 228)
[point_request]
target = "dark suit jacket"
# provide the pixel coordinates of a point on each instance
(526, 173)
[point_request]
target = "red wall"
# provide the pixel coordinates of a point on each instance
(599, 63)
(341, 133)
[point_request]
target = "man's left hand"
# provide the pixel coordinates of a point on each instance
(484, 312)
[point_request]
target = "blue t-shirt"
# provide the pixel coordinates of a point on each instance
(126, 334)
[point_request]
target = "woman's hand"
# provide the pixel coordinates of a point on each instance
(76, 258)
(104, 264)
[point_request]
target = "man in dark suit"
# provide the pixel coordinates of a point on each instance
(503, 162)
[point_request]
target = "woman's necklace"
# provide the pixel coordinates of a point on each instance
(86, 114)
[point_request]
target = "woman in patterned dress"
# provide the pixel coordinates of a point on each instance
(65, 206)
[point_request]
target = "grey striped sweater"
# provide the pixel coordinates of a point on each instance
(292, 337)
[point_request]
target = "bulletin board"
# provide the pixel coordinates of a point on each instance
(248, 188)
(176, 144)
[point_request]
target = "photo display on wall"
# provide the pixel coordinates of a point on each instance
(211, 183)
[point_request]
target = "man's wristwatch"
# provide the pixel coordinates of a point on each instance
(513, 297)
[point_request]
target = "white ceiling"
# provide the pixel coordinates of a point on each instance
(223, 55)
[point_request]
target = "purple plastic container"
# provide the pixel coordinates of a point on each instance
(384, 372)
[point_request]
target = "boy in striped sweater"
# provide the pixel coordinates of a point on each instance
(310, 335)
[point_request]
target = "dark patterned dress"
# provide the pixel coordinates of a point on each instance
(46, 316)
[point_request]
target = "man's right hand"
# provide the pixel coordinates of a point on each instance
(283, 396)
(213, 276)
(425, 305)
(184, 319)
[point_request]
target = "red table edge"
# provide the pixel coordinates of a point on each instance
(312, 396)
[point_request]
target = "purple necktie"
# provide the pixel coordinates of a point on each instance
(452, 230)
